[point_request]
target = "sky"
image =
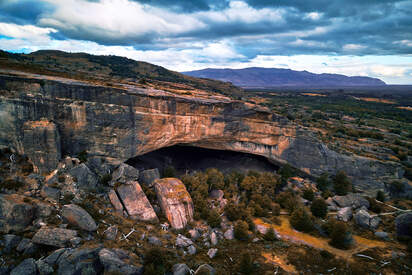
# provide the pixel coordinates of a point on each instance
(352, 37)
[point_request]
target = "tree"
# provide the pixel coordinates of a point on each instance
(241, 230)
(169, 172)
(301, 220)
(214, 218)
(308, 194)
(232, 212)
(270, 235)
(323, 182)
(340, 235)
(380, 196)
(319, 208)
(341, 184)
(246, 265)
(286, 172)
(215, 179)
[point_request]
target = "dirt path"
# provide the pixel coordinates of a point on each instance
(288, 233)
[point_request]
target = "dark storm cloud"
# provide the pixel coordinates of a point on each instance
(22, 12)
(305, 27)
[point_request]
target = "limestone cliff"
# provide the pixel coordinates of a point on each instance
(47, 118)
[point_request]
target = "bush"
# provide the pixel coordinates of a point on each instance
(246, 265)
(340, 235)
(82, 156)
(155, 261)
(214, 218)
(270, 235)
(241, 230)
(374, 206)
(323, 182)
(380, 196)
(286, 172)
(275, 209)
(319, 208)
(169, 172)
(308, 194)
(288, 200)
(235, 212)
(341, 184)
(301, 220)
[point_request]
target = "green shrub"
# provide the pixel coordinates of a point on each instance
(380, 196)
(340, 235)
(323, 182)
(374, 206)
(288, 200)
(301, 220)
(105, 179)
(233, 212)
(214, 218)
(241, 230)
(308, 194)
(82, 156)
(169, 172)
(246, 265)
(319, 208)
(275, 209)
(270, 235)
(341, 184)
(155, 261)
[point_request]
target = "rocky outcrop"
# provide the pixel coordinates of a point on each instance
(365, 220)
(351, 200)
(149, 176)
(135, 202)
(175, 201)
(124, 173)
(129, 121)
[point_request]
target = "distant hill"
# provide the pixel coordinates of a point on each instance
(272, 77)
(108, 68)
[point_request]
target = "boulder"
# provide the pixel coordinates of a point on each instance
(351, 200)
(154, 241)
(86, 179)
(182, 241)
(10, 242)
(123, 174)
(216, 194)
(180, 269)
(54, 256)
(194, 234)
(175, 201)
(229, 234)
(44, 268)
(15, 214)
(58, 237)
(365, 220)
(113, 264)
(403, 224)
(77, 216)
(382, 235)
(205, 269)
(50, 192)
(213, 238)
(80, 261)
(135, 201)
(114, 199)
(26, 247)
(26, 267)
(111, 233)
(191, 250)
(212, 253)
(344, 214)
(148, 177)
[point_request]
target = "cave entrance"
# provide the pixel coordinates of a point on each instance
(186, 159)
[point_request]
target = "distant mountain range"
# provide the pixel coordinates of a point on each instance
(271, 77)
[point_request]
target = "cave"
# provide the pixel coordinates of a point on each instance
(187, 159)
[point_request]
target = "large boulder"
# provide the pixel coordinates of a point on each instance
(365, 220)
(80, 261)
(58, 237)
(15, 213)
(124, 173)
(135, 201)
(180, 269)
(344, 214)
(351, 200)
(26, 267)
(113, 264)
(85, 178)
(175, 201)
(114, 199)
(79, 217)
(403, 225)
(148, 177)
(205, 269)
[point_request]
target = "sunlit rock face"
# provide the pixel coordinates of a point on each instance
(64, 117)
(175, 201)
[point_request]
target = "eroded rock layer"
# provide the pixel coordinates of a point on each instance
(47, 118)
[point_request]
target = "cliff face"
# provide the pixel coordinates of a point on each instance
(49, 118)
